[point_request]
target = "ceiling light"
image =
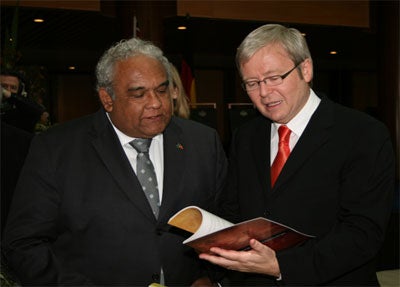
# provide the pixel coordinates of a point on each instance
(333, 52)
(38, 20)
(71, 68)
(181, 27)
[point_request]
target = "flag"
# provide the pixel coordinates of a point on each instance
(136, 28)
(188, 81)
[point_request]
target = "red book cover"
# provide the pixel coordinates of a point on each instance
(210, 230)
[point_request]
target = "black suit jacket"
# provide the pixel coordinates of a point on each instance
(14, 148)
(337, 184)
(80, 216)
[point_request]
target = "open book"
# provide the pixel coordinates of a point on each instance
(210, 230)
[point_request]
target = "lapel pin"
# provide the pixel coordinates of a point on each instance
(179, 146)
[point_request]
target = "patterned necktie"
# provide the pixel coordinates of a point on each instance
(146, 174)
(283, 153)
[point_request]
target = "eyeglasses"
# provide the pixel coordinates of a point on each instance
(272, 81)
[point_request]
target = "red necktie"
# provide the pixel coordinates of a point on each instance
(283, 153)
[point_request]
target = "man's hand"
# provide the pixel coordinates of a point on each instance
(260, 259)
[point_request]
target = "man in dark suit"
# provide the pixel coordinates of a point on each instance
(80, 216)
(336, 184)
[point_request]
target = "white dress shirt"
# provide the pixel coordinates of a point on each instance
(156, 153)
(296, 125)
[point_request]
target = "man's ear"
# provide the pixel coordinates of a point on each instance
(307, 70)
(106, 100)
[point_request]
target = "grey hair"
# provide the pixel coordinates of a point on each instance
(123, 50)
(289, 38)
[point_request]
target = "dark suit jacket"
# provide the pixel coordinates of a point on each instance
(80, 216)
(337, 184)
(21, 112)
(14, 148)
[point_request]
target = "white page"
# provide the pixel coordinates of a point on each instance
(210, 223)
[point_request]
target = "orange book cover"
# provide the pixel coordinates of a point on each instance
(210, 230)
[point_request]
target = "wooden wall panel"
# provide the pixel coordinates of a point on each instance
(211, 89)
(339, 13)
(75, 97)
(87, 5)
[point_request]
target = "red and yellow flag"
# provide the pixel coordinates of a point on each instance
(188, 81)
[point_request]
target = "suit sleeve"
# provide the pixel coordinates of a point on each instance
(33, 223)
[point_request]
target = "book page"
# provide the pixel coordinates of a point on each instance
(187, 219)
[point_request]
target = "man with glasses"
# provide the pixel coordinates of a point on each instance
(306, 162)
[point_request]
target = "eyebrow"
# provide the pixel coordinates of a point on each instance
(264, 77)
(269, 73)
(165, 83)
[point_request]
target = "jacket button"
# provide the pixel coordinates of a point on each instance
(267, 213)
(155, 277)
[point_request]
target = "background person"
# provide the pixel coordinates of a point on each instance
(18, 116)
(17, 109)
(178, 94)
(80, 216)
(336, 184)
(44, 123)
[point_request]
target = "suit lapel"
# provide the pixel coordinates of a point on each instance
(175, 153)
(109, 149)
(314, 136)
(261, 152)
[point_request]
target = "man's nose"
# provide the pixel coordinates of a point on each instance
(154, 100)
(265, 89)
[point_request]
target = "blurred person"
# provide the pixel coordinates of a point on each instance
(44, 123)
(18, 115)
(80, 215)
(337, 181)
(17, 109)
(179, 97)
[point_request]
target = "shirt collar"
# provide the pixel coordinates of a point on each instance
(125, 139)
(300, 121)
